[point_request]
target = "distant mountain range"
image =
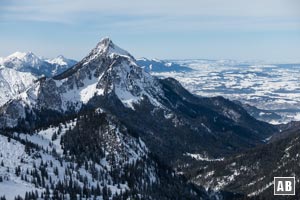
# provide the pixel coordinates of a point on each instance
(29, 62)
(155, 65)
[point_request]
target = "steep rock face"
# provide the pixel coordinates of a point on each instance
(170, 120)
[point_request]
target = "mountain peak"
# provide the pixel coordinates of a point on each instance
(108, 69)
(31, 55)
(106, 41)
(104, 45)
(61, 57)
(107, 48)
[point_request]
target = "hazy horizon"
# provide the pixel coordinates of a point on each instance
(266, 30)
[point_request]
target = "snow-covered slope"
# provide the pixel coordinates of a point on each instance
(34, 162)
(29, 62)
(13, 82)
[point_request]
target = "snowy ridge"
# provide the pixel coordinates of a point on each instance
(19, 60)
(19, 57)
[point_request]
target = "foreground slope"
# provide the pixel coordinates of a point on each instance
(253, 171)
(104, 162)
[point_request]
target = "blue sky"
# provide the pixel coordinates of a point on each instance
(266, 30)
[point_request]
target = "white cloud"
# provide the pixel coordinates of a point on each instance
(72, 9)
